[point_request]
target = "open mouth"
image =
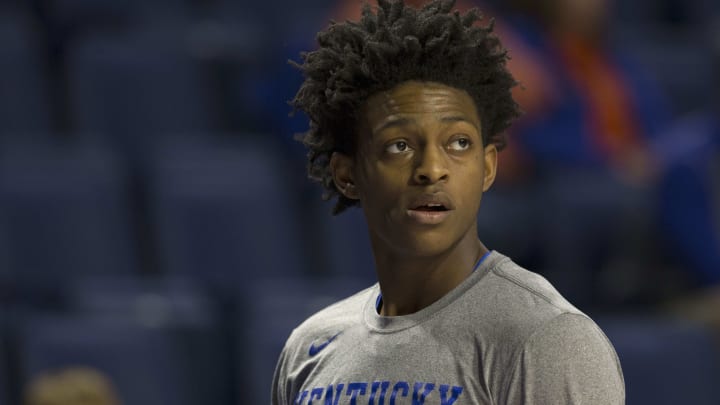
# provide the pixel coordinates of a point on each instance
(431, 207)
(429, 214)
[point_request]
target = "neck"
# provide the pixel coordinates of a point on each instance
(411, 283)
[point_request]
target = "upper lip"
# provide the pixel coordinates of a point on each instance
(424, 200)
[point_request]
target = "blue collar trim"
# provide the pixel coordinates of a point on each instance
(378, 301)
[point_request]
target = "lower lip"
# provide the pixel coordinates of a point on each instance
(428, 217)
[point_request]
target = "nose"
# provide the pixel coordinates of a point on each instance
(431, 166)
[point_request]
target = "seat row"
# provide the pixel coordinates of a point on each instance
(165, 341)
(219, 211)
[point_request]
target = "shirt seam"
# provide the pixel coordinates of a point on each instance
(521, 347)
(528, 288)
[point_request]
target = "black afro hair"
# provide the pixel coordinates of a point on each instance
(390, 45)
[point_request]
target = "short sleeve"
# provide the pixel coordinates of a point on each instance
(279, 382)
(569, 360)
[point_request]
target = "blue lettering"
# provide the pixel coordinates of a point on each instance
(419, 399)
(301, 397)
(378, 391)
(354, 389)
(400, 385)
(329, 394)
(315, 393)
(383, 386)
(456, 391)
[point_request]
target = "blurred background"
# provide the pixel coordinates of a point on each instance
(159, 239)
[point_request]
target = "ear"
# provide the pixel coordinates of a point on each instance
(341, 166)
(490, 163)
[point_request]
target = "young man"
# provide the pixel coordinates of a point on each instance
(407, 109)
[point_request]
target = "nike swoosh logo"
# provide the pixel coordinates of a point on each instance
(316, 349)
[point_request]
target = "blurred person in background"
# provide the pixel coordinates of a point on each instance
(408, 110)
(690, 199)
(71, 386)
(584, 147)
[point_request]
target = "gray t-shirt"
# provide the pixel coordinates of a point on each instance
(503, 336)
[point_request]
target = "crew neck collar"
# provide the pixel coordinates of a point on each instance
(389, 324)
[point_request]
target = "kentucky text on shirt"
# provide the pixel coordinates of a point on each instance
(375, 393)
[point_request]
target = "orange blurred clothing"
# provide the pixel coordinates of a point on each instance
(611, 117)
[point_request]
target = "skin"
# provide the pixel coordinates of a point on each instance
(419, 138)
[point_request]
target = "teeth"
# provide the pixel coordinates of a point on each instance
(431, 206)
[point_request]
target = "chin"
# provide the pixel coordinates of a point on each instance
(427, 244)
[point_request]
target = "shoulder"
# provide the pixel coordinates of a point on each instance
(339, 316)
(567, 360)
(567, 336)
(312, 335)
(527, 288)
(516, 302)
(551, 347)
(511, 305)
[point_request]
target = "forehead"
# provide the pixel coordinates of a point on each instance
(418, 101)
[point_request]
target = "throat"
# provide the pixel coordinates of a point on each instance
(408, 290)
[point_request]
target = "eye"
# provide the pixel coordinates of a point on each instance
(398, 147)
(460, 144)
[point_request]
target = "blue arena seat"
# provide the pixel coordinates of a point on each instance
(224, 212)
(148, 299)
(83, 16)
(134, 87)
(145, 364)
(24, 90)
(269, 310)
(5, 369)
(177, 305)
(665, 362)
(64, 211)
(346, 244)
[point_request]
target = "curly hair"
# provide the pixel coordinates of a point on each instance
(396, 44)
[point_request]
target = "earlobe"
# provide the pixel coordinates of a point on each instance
(490, 162)
(342, 172)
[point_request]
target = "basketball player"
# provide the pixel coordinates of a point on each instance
(407, 110)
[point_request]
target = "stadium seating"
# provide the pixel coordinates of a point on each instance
(146, 364)
(24, 88)
(4, 364)
(224, 212)
(132, 88)
(65, 213)
(178, 306)
(98, 15)
(665, 362)
(346, 244)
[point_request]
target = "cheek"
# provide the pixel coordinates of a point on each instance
(387, 175)
(469, 187)
(382, 189)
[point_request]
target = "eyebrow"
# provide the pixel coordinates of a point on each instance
(458, 118)
(401, 122)
(393, 122)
